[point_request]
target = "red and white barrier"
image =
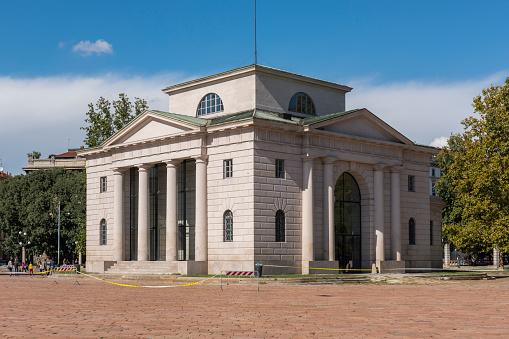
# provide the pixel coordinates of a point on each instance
(65, 268)
(240, 273)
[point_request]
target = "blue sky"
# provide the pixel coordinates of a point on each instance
(415, 64)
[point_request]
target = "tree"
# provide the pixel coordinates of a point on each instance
(103, 123)
(475, 183)
(30, 204)
(34, 155)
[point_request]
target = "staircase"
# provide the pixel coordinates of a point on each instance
(143, 267)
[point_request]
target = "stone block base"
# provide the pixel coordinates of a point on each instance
(192, 267)
(391, 266)
(327, 267)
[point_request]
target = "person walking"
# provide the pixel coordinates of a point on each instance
(16, 264)
(9, 265)
(30, 269)
(45, 267)
(52, 266)
(22, 267)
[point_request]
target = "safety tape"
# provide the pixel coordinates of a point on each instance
(126, 285)
(363, 269)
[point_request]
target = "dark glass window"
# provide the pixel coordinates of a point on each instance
(228, 225)
(103, 232)
(431, 232)
(280, 168)
(104, 184)
(411, 231)
(228, 168)
(411, 183)
(280, 226)
(302, 103)
(211, 103)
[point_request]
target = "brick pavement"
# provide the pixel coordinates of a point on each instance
(32, 307)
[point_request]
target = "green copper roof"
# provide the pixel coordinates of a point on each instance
(314, 120)
(184, 118)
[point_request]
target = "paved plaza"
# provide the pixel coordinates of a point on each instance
(33, 307)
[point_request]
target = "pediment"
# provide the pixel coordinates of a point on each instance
(147, 127)
(363, 124)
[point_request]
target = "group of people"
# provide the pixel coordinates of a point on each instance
(20, 266)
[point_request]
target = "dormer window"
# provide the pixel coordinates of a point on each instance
(302, 103)
(211, 103)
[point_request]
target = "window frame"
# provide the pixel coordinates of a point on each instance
(411, 231)
(411, 183)
(228, 226)
(210, 103)
(280, 226)
(103, 184)
(227, 168)
(299, 105)
(431, 232)
(280, 168)
(103, 233)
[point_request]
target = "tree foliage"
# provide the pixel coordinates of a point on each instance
(29, 204)
(34, 155)
(475, 181)
(103, 122)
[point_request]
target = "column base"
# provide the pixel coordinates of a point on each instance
(391, 266)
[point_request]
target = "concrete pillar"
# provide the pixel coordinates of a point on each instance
(379, 213)
(447, 255)
(201, 244)
(328, 209)
(143, 215)
(118, 215)
(307, 212)
(171, 211)
(395, 214)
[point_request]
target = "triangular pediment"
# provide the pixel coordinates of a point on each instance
(149, 126)
(362, 123)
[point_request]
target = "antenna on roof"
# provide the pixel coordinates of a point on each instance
(256, 56)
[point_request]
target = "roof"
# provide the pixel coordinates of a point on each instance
(256, 67)
(67, 154)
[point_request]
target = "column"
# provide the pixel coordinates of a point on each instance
(118, 215)
(379, 212)
(395, 214)
(447, 255)
(171, 211)
(328, 207)
(496, 257)
(201, 243)
(307, 212)
(143, 221)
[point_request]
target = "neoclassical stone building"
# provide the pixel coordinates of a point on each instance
(258, 165)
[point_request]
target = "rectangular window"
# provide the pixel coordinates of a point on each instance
(228, 168)
(431, 232)
(433, 190)
(280, 168)
(104, 184)
(411, 183)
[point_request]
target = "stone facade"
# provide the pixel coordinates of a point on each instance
(162, 188)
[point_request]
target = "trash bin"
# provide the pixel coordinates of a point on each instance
(77, 267)
(258, 270)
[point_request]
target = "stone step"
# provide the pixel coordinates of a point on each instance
(146, 267)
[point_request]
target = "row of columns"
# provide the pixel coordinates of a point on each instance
(328, 213)
(201, 247)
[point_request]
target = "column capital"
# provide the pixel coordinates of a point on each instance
(395, 169)
(143, 167)
(201, 158)
(329, 160)
(171, 163)
(379, 167)
(307, 157)
(118, 170)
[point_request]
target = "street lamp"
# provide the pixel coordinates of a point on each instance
(22, 244)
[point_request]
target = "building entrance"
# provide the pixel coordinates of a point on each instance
(347, 222)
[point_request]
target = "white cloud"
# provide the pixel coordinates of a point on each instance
(42, 113)
(439, 142)
(61, 44)
(99, 47)
(425, 112)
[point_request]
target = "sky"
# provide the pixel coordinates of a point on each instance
(417, 65)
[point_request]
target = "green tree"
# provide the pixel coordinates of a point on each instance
(103, 122)
(475, 181)
(30, 204)
(34, 155)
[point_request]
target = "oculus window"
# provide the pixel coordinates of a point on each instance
(211, 103)
(302, 103)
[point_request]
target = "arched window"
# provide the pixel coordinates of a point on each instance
(280, 226)
(211, 103)
(411, 231)
(302, 103)
(103, 232)
(228, 225)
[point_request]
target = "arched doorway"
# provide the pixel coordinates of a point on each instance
(347, 222)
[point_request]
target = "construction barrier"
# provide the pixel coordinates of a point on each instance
(239, 274)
